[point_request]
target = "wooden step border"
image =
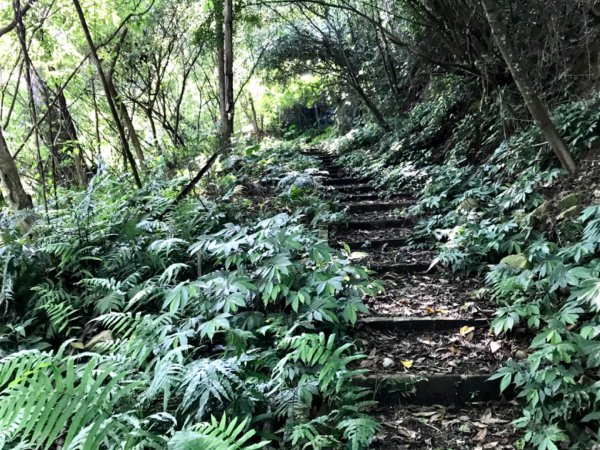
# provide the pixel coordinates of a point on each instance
(376, 206)
(434, 389)
(355, 188)
(375, 224)
(403, 323)
(406, 268)
(342, 181)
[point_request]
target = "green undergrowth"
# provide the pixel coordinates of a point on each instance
(492, 200)
(132, 322)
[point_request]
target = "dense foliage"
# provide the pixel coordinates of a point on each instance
(131, 321)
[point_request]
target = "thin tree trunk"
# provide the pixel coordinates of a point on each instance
(220, 35)
(225, 70)
(257, 130)
(113, 109)
(59, 134)
(12, 188)
(126, 118)
(518, 70)
(28, 72)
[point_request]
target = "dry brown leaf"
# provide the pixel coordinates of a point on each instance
(481, 435)
(466, 330)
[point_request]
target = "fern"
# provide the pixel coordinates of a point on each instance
(58, 397)
(359, 432)
(216, 435)
(208, 380)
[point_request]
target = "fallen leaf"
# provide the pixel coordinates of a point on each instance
(103, 336)
(407, 363)
(430, 310)
(466, 330)
(495, 346)
(481, 435)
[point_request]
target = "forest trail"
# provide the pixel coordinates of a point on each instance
(428, 337)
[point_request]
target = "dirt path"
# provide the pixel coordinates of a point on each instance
(428, 338)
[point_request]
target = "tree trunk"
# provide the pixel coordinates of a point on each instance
(126, 118)
(224, 22)
(12, 188)
(377, 114)
(258, 132)
(59, 134)
(113, 109)
(519, 73)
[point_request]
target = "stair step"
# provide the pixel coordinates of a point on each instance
(392, 323)
(399, 268)
(356, 188)
(342, 181)
(375, 224)
(376, 206)
(374, 196)
(435, 389)
(377, 243)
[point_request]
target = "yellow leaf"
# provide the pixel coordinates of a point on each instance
(78, 345)
(407, 363)
(430, 310)
(466, 330)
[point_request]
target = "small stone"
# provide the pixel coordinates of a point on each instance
(520, 354)
(387, 362)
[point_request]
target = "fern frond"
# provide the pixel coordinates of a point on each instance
(216, 435)
(208, 380)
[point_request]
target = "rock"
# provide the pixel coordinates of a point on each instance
(568, 201)
(518, 261)
(387, 362)
(520, 354)
(597, 193)
(541, 210)
(468, 204)
(570, 213)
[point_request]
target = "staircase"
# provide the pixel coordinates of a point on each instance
(430, 350)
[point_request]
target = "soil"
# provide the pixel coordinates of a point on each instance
(441, 295)
(371, 235)
(461, 351)
(477, 426)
